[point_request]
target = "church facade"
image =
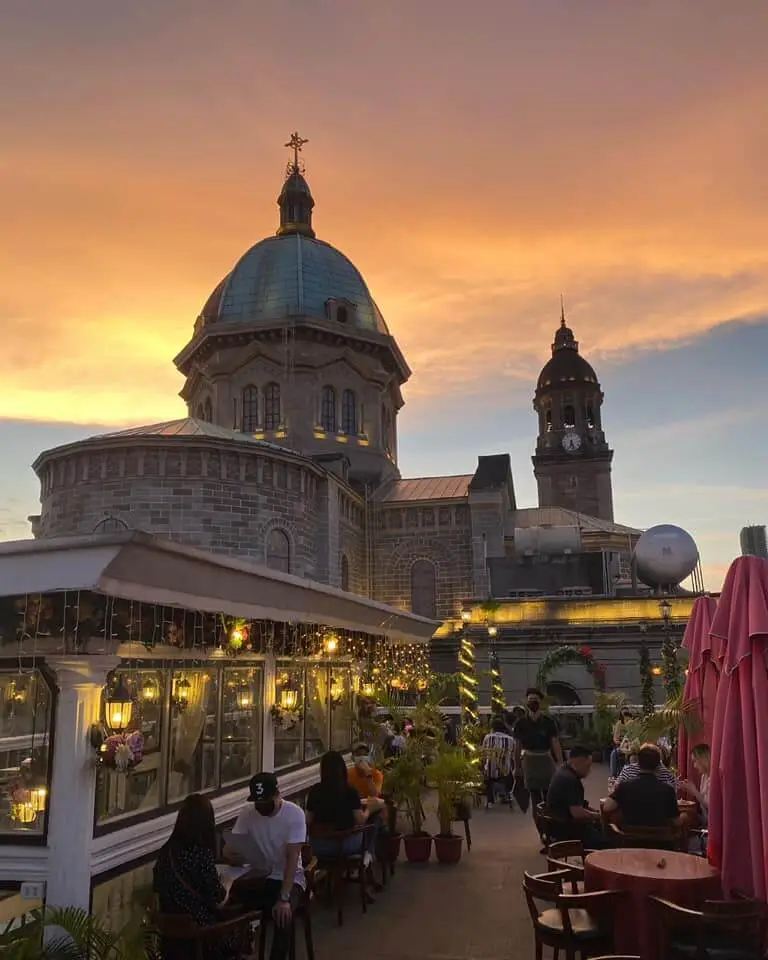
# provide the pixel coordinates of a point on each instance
(288, 454)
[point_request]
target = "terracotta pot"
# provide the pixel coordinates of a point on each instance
(448, 849)
(393, 843)
(418, 847)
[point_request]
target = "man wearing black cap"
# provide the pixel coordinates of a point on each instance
(278, 829)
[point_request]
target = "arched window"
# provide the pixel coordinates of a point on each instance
(344, 573)
(548, 420)
(349, 413)
(272, 406)
(589, 416)
(200, 412)
(569, 415)
(341, 314)
(328, 410)
(562, 694)
(110, 525)
(208, 410)
(424, 589)
(250, 420)
(279, 551)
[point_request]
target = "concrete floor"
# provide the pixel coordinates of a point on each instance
(472, 911)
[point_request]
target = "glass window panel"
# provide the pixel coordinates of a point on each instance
(120, 794)
(25, 723)
(241, 724)
(316, 718)
(341, 709)
(194, 712)
(289, 696)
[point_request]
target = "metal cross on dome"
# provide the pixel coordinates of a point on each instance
(296, 143)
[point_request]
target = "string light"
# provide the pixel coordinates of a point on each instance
(468, 686)
(497, 686)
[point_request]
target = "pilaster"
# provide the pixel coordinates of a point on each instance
(80, 683)
(267, 724)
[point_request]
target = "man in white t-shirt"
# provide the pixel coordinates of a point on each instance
(277, 828)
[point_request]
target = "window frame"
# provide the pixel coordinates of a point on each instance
(28, 664)
(349, 413)
(249, 401)
(420, 562)
(289, 549)
(272, 406)
(328, 413)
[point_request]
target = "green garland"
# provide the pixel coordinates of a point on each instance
(647, 698)
(673, 677)
(563, 655)
(468, 682)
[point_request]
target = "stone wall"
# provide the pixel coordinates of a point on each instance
(441, 534)
(217, 497)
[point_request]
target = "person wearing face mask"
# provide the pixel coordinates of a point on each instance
(537, 748)
(363, 775)
(278, 830)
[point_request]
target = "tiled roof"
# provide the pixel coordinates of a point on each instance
(189, 427)
(562, 517)
(427, 488)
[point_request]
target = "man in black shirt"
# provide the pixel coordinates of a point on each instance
(536, 741)
(645, 801)
(573, 818)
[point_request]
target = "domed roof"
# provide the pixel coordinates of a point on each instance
(566, 366)
(292, 275)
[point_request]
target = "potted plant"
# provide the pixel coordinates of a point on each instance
(404, 784)
(453, 775)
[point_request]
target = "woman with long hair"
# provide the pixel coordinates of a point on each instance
(333, 806)
(618, 759)
(185, 878)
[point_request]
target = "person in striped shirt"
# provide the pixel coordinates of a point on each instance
(498, 750)
(632, 770)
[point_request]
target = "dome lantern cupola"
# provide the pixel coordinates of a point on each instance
(564, 338)
(295, 200)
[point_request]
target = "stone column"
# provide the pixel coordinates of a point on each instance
(267, 724)
(73, 783)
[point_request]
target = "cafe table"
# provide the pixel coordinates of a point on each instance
(679, 877)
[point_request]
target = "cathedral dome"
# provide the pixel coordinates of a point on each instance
(293, 275)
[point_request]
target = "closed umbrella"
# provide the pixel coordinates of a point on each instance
(738, 802)
(701, 681)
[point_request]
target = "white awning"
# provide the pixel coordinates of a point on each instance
(149, 569)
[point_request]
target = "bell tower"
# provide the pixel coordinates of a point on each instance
(572, 463)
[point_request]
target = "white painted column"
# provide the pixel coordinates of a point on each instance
(267, 724)
(73, 783)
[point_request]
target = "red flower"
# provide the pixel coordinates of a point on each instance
(585, 651)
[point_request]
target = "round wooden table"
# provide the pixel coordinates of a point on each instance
(678, 877)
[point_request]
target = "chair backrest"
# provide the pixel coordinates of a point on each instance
(648, 837)
(545, 887)
(566, 850)
(172, 926)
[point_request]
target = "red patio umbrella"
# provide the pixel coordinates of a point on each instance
(701, 681)
(738, 800)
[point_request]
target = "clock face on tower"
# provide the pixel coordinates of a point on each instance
(571, 442)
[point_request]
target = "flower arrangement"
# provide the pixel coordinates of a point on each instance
(284, 719)
(122, 751)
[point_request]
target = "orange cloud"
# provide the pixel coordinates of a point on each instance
(470, 189)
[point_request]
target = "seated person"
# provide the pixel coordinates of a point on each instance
(185, 879)
(333, 806)
(277, 829)
(701, 758)
(632, 769)
(573, 818)
(364, 776)
(645, 800)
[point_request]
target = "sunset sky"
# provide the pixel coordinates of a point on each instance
(473, 159)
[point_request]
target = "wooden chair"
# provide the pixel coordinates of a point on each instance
(576, 924)
(302, 913)
(180, 936)
(721, 930)
(650, 838)
(568, 855)
(549, 827)
(340, 867)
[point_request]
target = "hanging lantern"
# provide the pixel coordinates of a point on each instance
(331, 644)
(23, 812)
(182, 691)
(656, 671)
(150, 690)
(244, 698)
(289, 698)
(369, 690)
(17, 692)
(396, 683)
(492, 630)
(118, 708)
